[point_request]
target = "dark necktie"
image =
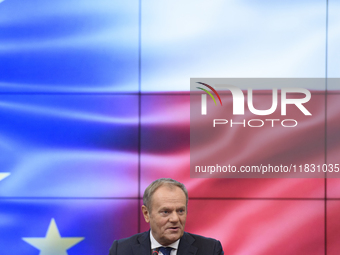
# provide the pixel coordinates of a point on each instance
(165, 250)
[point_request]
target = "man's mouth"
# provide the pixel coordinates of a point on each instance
(173, 228)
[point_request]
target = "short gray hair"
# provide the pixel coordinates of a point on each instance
(150, 190)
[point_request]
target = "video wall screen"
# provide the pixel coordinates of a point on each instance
(95, 105)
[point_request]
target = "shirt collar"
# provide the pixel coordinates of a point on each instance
(155, 244)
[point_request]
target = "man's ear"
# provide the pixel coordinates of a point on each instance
(146, 214)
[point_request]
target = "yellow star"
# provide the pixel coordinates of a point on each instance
(3, 175)
(53, 243)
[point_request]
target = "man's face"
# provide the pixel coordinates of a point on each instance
(168, 214)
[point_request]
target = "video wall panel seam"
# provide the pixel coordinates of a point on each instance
(326, 81)
(139, 110)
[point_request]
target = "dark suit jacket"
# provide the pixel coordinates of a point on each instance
(189, 244)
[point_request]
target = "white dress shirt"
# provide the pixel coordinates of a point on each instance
(155, 244)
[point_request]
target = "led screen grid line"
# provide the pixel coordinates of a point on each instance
(71, 107)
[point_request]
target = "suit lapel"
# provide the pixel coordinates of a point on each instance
(185, 245)
(144, 245)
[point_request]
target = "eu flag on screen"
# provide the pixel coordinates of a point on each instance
(78, 226)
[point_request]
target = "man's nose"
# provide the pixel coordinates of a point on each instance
(174, 217)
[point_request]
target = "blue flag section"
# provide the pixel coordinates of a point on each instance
(69, 145)
(77, 226)
(63, 46)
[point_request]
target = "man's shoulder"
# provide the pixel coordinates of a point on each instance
(199, 238)
(133, 239)
(203, 245)
(130, 244)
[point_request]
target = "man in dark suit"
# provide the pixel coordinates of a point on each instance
(165, 204)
